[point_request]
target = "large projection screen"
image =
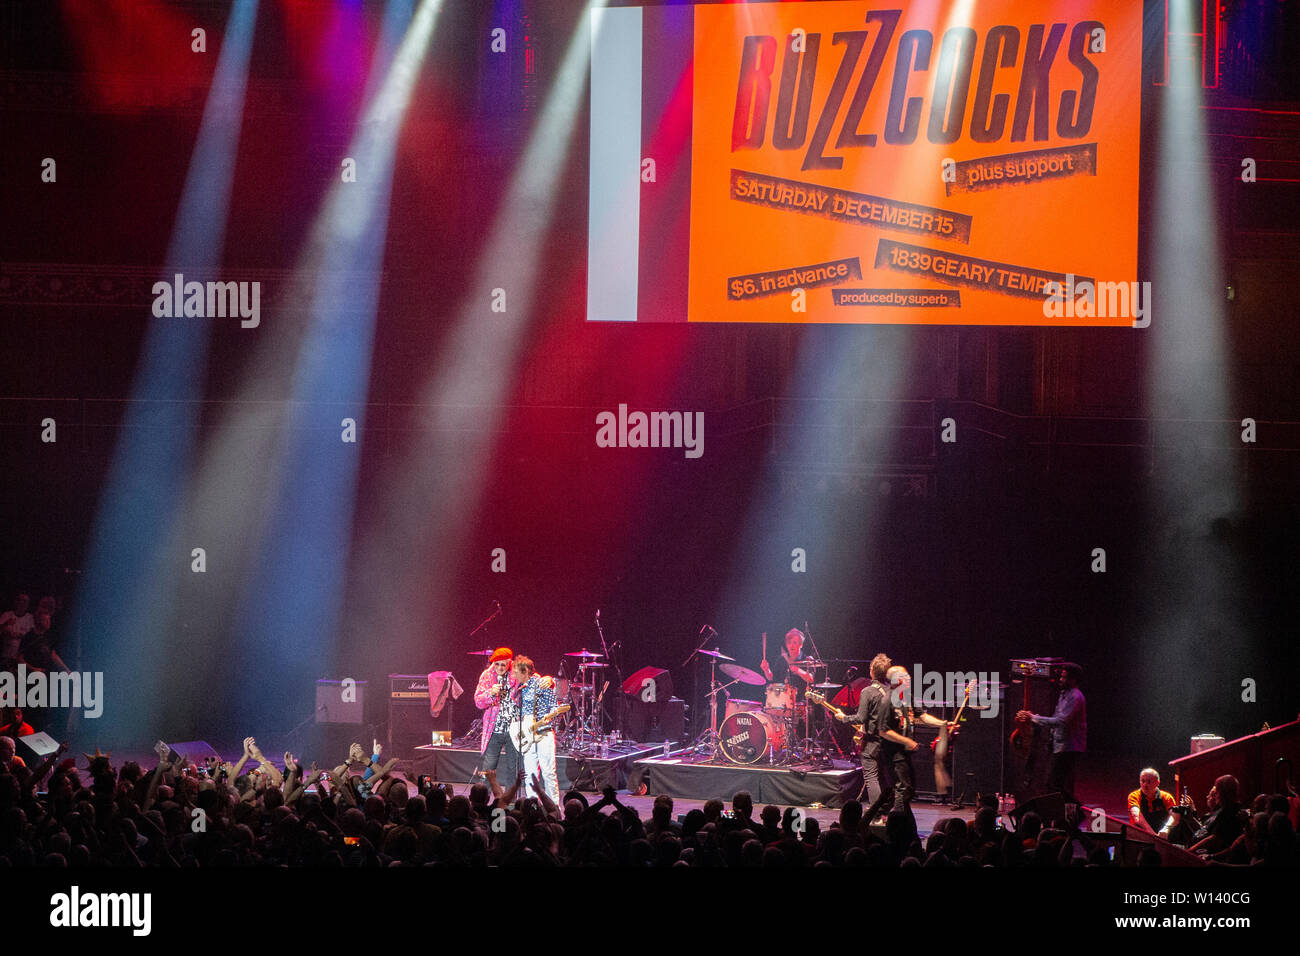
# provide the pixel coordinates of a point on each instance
(940, 163)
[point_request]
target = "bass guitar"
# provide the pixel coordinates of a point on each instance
(1022, 738)
(952, 724)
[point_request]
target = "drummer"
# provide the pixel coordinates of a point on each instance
(787, 671)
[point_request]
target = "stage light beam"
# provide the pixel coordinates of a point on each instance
(135, 561)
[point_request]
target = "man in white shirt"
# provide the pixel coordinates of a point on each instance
(14, 626)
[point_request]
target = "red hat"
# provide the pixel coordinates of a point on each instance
(501, 654)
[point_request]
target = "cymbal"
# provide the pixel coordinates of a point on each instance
(582, 653)
(591, 666)
(828, 685)
(742, 674)
(717, 654)
(486, 652)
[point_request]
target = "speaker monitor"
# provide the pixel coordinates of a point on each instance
(650, 684)
(337, 704)
(662, 720)
(195, 751)
(1050, 807)
(1027, 764)
(410, 725)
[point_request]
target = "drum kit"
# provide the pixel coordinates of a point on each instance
(767, 731)
(587, 727)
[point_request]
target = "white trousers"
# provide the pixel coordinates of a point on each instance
(541, 759)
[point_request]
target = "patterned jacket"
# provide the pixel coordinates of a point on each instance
(484, 701)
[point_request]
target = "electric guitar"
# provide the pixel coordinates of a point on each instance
(530, 731)
(952, 730)
(858, 732)
(1022, 738)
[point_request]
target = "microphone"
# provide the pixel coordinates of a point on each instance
(597, 615)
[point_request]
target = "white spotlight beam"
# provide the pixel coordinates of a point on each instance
(478, 365)
(260, 464)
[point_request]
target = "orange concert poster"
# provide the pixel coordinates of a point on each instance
(941, 163)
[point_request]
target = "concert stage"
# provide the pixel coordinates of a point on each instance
(575, 771)
(680, 775)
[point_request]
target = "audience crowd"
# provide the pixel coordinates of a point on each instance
(254, 813)
(29, 636)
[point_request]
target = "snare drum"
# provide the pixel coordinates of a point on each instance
(752, 737)
(737, 706)
(780, 697)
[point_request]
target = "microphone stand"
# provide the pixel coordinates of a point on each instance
(707, 740)
(496, 613)
(560, 721)
(600, 713)
(824, 732)
(522, 792)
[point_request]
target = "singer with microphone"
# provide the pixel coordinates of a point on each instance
(494, 697)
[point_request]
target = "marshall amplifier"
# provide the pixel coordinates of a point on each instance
(408, 687)
(1035, 666)
(410, 724)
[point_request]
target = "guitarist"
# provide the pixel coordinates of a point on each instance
(886, 752)
(537, 700)
(1069, 727)
(900, 689)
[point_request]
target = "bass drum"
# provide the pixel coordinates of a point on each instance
(753, 737)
